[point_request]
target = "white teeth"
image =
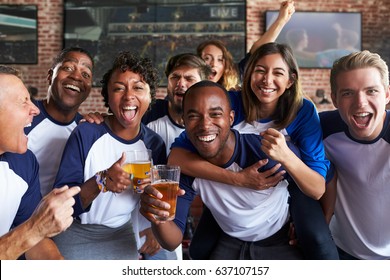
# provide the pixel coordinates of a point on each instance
(362, 115)
(267, 90)
(130, 108)
(73, 87)
(207, 138)
(28, 125)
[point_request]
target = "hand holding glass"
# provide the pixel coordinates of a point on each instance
(138, 163)
(165, 178)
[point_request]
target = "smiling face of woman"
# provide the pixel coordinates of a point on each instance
(128, 98)
(270, 79)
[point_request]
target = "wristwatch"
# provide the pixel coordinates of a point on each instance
(100, 178)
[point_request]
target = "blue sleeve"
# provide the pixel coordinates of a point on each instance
(331, 122)
(183, 142)
(157, 110)
(29, 171)
(237, 106)
(154, 142)
(71, 169)
(331, 173)
(184, 202)
(306, 133)
(78, 118)
(159, 153)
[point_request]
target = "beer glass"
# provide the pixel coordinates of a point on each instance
(165, 178)
(138, 163)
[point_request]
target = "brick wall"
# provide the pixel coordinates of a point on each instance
(375, 36)
(375, 32)
(50, 42)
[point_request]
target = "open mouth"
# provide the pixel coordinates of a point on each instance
(72, 87)
(27, 125)
(212, 75)
(362, 119)
(130, 112)
(207, 138)
(179, 94)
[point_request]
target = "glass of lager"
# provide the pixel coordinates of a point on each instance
(138, 163)
(165, 178)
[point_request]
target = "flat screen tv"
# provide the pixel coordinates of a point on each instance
(18, 34)
(319, 38)
(152, 28)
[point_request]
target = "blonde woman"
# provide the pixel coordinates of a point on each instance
(224, 70)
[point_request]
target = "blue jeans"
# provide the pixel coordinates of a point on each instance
(163, 254)
(311, 229)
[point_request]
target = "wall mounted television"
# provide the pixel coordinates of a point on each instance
(18, 34)
(319, 38)
(153, 28)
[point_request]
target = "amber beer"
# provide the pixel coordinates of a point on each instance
(169, 191)
(139, 169)
(138, 164)
(165, 178)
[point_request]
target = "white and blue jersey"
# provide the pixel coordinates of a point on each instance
(247, 214)
(47, 139)
(20, 192)
(158, 120)
(360, 225)
(92, 148)
(304, 131)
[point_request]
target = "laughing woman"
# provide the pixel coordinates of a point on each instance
(103, 227)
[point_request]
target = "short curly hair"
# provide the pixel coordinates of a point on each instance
(127, 61)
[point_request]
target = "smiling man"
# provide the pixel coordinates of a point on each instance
(254, 222)
(25, 224)
(70, 82)
(357, 142)
(165, 116)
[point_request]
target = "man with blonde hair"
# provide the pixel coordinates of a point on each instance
(357, 142)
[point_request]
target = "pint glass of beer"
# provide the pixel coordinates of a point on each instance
(165, 178)
(138, 163)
